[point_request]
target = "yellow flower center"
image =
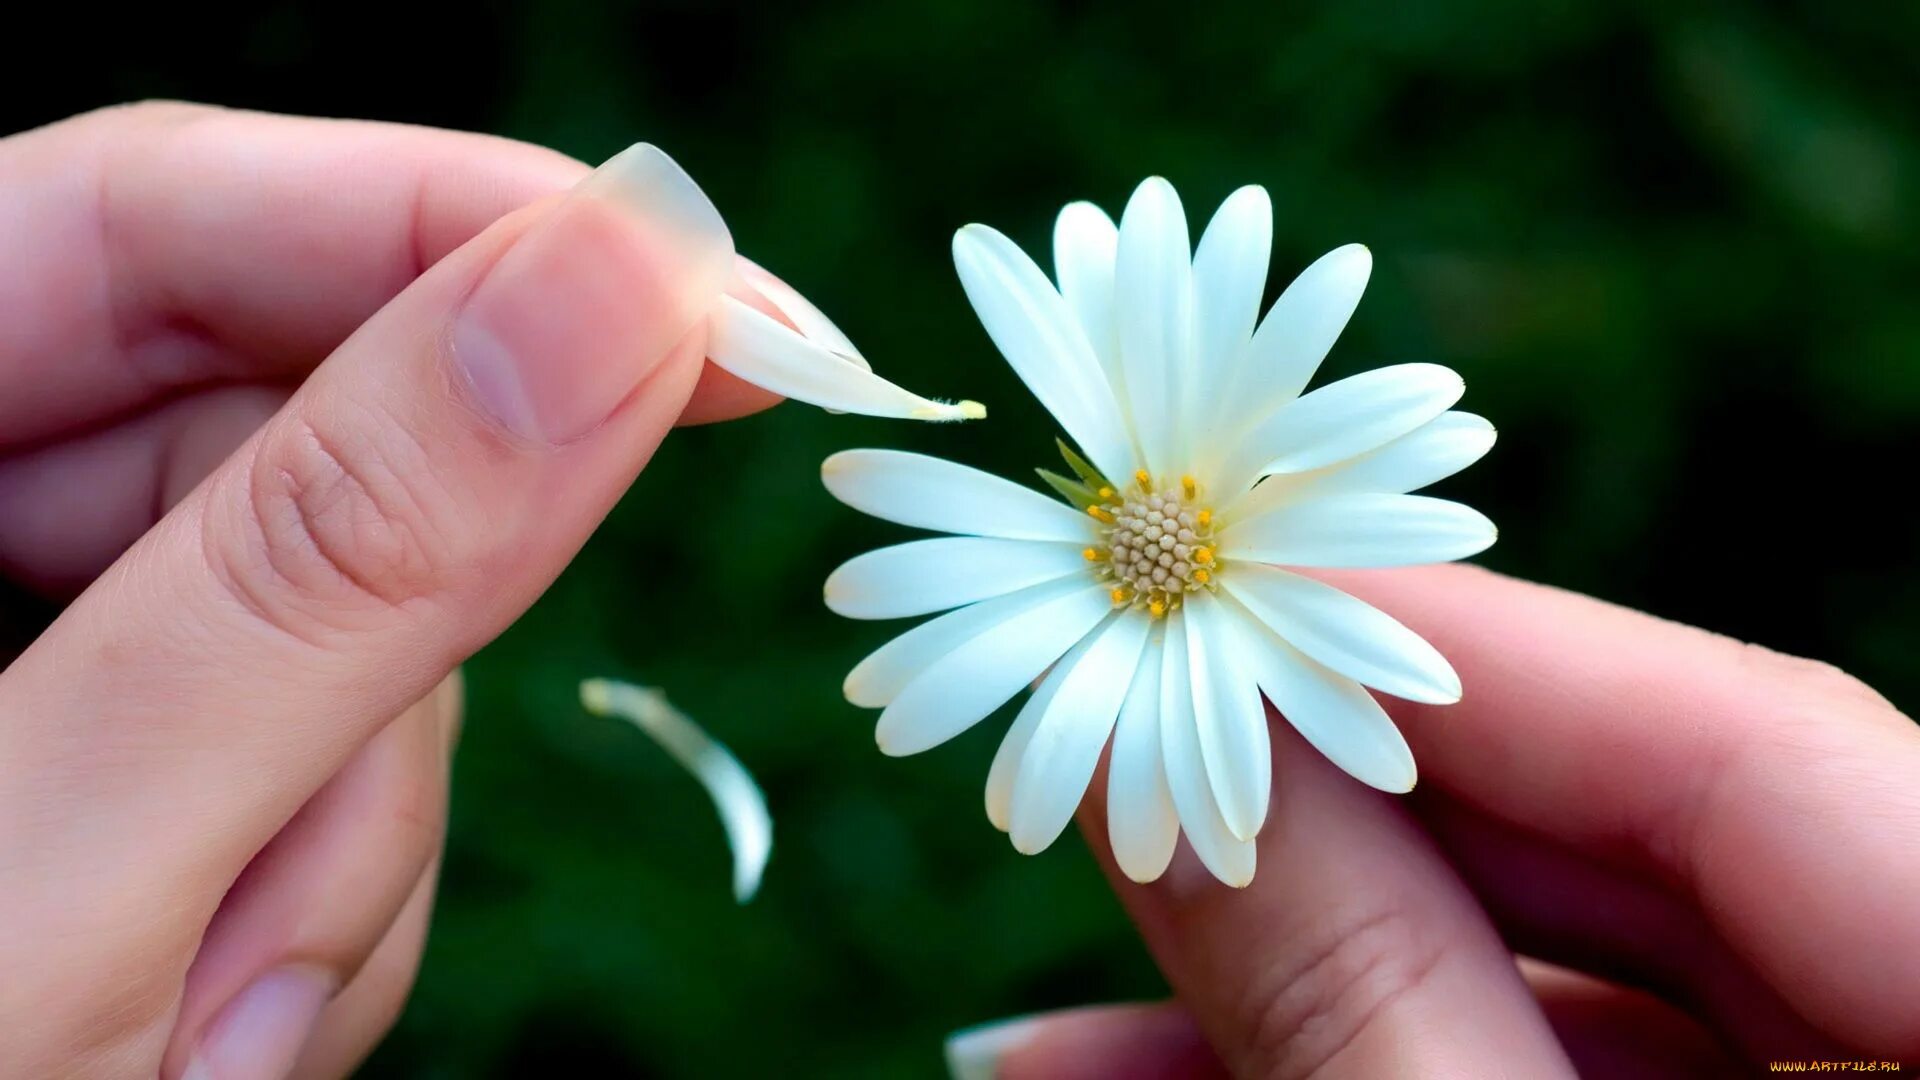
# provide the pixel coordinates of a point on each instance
(1156, 545)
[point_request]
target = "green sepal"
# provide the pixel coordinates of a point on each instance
(1088, 475)
(1079, 496)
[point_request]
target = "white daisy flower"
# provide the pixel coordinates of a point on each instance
(1155, 605)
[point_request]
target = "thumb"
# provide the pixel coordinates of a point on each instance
(419, 492)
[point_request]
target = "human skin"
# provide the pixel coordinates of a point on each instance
(294, 416)
(1716, 846)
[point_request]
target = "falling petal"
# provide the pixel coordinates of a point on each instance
(743, 809)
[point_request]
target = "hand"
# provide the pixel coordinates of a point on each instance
(1734, 832)
(223, 766)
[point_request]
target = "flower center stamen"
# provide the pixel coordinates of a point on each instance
(1156, 546)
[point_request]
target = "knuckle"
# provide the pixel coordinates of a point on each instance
(1302, 1012)
(333, 529)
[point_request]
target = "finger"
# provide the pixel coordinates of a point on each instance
(71, 508)
(416, 494)
(164, 245)
(1354, 952)
(1089, 1043)
(1779, 795)
(1551, 902)
(1613, 1033)
(301, 921)
(354, 1022)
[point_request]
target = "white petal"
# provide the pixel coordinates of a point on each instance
(876, 681)
(1299, 330)
(1342, 420)
(984, 673)
(1428, 454)
(1230, 717)
(1059, 761)
(743, 809)
(1153, 294)
(1142, 825)
(1006, 760)
(1229, 275)
(931, 493)
(924, 576)
(1350, 636)
(767, 353)
(812, 323)
(1361, 530)
(1336, 715)
(1228, 857)
(1084, 241)
(1033, 328)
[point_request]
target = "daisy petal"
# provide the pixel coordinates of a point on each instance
(1153, 297)
(1361, 529)
(932, 493)
(812, 323)
(1426, 455)
(1058, 763)
(924, 576)
(1346, 634)
(874, 682)
(1225, 855)
(1342, 420)
(767, 353)
(984, 673)
(1042, 341)
(1142, 825)
(1084, 240)
(1299, 331)
(1229, 274)
(1231, 719)
(1013, 747)
(742, 808)
(1335, 714)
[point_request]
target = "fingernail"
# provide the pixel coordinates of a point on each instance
(975, 1053)
(589, 300)
(258, 1036)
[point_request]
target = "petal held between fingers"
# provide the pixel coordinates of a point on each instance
(764, 352)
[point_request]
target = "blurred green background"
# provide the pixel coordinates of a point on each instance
(1673, 253)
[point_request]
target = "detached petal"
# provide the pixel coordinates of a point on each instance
(743, 809)
(931, 493)
(1361, 530)
(767, 353)
(1346, 634)
(985, 672)
(924, 576)
(1058, 763)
